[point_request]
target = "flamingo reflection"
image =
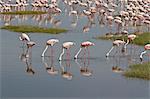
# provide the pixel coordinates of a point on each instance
(27, 61)
(65, 70)
(51, 69)
(85, 70)
(117, 62)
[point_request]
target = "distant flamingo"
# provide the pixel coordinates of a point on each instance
(146, 47)
(67, 46)
(116, 43)
(84, 45)
(50, 42)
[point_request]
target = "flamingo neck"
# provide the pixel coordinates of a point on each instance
(60, 57)
(44, 50)
(109, 51)
(127, 43)
(76, 56)
(141, 55)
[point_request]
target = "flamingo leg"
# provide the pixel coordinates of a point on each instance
(52, 51)
(84, 56)
(88, 57)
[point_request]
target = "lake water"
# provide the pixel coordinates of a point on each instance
(104, 83)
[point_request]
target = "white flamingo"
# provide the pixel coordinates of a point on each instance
(67, 46)
(146, 47)
(116, 43)
(50, 42)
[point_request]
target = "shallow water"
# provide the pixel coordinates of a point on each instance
(104, 83)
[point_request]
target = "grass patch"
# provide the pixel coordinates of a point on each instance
(24, 12)
(33, 29)
(141, 71)
(141, 39)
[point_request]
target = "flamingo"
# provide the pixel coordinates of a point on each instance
(67, 46)
(116, 43)
(84, 45)
(50, 42)
(146, 47)
(131, 37)
(24, 38)
(30, 44)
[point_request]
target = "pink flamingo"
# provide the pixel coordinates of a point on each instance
(146, 47)
(84, 45)
(67, 46)
(131, 37)
(116, 43)
(50, 42)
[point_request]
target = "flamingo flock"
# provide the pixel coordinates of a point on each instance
(66, 46)
(51, 42)
(120, 14)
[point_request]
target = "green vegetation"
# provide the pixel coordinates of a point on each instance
(24, 12)
(139, 71)
(33, 29)
(142, 38)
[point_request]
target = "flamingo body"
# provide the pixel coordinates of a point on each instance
(51, 42)
(24, 37)
(68, 45)
(147, 47)
(131, 37)
(87, 44)
(30, 44)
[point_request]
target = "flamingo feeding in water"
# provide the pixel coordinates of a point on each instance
(146, 47)
(24, 37)
(67, 46)
(131, 37)
(30, 44)
(84, 45)
(116, 43)
(50, 42)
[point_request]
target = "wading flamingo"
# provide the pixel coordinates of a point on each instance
(30, 44)
(116, 43)
(24, 37)
(84, 45)
(67, 46)
(131, 37)
(146, 47)
(50, 42)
